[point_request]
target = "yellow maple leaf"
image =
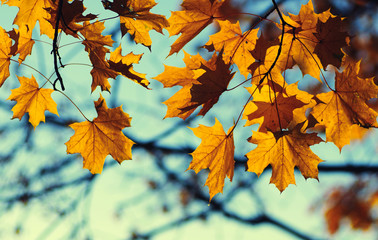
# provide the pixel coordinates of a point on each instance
(284, 151)
(124, 66)
(23, 44)
(215, 152)
(346, 105)
(136, 19)
(33, 100)
(5, 51)
(102, 136)
(235, 44)
(95, 43)
(195, 17)
(300, 42)
(31, 11)
(210, 81)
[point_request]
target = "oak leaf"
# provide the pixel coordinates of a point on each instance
(136, 19)
(196, 16)
(31, 11)
(216, 152)
(102, 136)
(33, 100)
(284, 151)
(5, 54)
(237, 46)
(339, 109)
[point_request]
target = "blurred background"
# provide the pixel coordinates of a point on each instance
(46, 194)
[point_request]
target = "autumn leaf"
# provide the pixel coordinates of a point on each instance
(33, 100)
(124, 65)
(216, 152)
(23, 44)
(177, 76)
(196, 16)
(95, 43)
(300, 42)
(267, 68)
(5, 51)
(350, 203)
(284, 151)
(272, 113)
(331, 38)
(210, 81)
(72, 17)
(237, 46)
(338, 110)
(102, 136)
(31, 11)
(136, 19)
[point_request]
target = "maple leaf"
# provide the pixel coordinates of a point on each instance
(33, 100)
(5, 51)
(124, 66)
(284, 151)
(300, 42)
(136, 19)
(23, 44)
(272, 113)
(346, 105)
(349, 203)
(215, 152)
(31, 11)
(237, 46)
(196, 16)
(204, 89)
(95, 44)
(266, 66)
(72, 14)
(331, 38)
(102, 136)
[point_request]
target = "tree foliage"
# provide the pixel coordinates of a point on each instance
(291, 116)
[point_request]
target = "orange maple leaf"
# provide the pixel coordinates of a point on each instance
(216, 152)
(136, 19)
(23, 44)
(209, 82)
(265, 53)
(124, 65)
(5, 52)
(72, 15)
(350, 203)
(95, 44)
(331, 38)
(272, 113)
(31, 11)
(235, 44)
(196, 16)
(346, 105)
(102, 136)
(283, 151)
(33, 100)
(300, 42)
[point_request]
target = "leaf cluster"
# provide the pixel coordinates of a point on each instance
(289, 118)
